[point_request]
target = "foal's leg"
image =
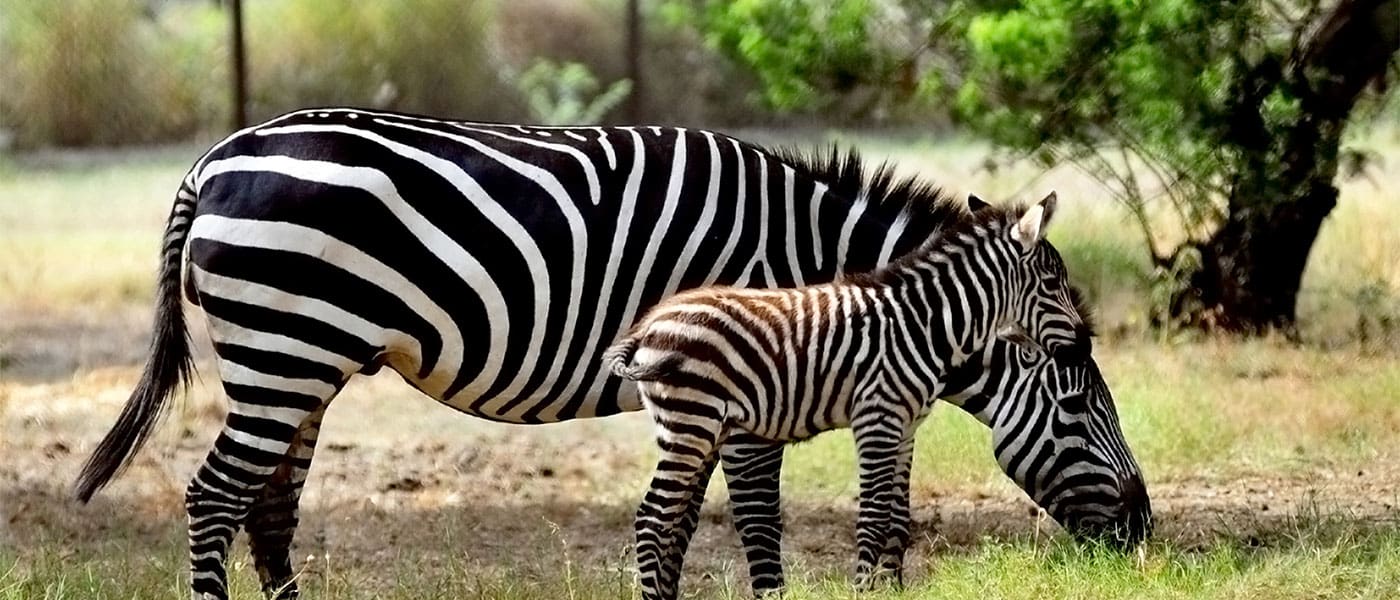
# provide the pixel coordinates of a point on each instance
(689, 521)
(752, 467)
(689, 429)
(272, 522)
(897, 540)
(878, 441)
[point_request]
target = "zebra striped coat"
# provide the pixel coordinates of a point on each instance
(488, 264)
(1055, 432)
(870, 353)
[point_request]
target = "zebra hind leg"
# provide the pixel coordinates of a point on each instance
(753, 469)
(688, 434)
(689, 521)
(265, 413)
(273, 520)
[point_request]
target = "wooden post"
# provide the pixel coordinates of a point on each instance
(634, 60)
(239, 67)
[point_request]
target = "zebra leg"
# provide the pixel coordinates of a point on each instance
(897, 541)
(687, 437)
(265, 413)
(878, 457)
(753, 468)
(273, 520)
(689, 522)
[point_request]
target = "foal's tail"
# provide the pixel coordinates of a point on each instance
(619, 360)
(167, 368)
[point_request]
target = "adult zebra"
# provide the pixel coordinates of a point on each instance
(488, 264)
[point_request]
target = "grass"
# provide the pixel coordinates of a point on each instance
(1273, 465)
(1310, 557)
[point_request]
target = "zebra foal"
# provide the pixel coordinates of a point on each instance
(1054, 432)
(869, 352)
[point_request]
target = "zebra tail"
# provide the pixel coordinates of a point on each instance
(619, 360)
(168, 366)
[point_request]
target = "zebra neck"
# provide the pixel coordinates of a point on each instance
(954, 298)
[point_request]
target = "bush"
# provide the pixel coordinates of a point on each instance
(86, 72)
(107, 72)
(683, 82)
(427, 56)
(568, 94)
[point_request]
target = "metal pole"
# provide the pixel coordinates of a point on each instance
(634, 60)
(239, 66)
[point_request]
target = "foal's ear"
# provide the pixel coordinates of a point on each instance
(1031, 228)
(976, 204)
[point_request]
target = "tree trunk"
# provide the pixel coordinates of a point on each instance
(1252, 267)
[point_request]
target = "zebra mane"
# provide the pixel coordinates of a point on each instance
(1085, 310)
(925, 205)
(846, 175)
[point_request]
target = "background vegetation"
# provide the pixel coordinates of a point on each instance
(1272, 461)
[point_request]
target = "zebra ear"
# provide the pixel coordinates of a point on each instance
(976, 204)
(1031, 228)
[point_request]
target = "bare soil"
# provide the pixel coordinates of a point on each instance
(397, 474)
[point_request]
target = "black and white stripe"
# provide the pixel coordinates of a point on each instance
(870, 352)
(489, 264)
(1088, 480)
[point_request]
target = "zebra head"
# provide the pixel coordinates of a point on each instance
(1040, 312)
(1055, 432)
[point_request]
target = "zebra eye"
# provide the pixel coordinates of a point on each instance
(1052, 284)
(1075, 404)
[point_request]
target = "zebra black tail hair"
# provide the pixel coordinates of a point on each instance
(168, 366)
(619, 359)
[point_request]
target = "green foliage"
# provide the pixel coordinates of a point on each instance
(1116, 88)
(568, 94)
(805, 54)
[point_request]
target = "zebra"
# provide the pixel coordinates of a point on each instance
(869, 352)
(487, 263)
(1088, 481)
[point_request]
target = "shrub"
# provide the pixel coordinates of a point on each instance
(429, 56)
(85, 72)
(568, 94)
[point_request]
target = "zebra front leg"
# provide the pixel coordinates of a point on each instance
(897, 541)
(877, 449)
(273, 520)
(753, 468)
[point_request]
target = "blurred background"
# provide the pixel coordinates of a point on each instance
(1230, 177)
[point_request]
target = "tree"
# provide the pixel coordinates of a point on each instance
(1231, 111)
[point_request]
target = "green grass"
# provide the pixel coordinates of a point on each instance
(84, 230)
(1308, 557)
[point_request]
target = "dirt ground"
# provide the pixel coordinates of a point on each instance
(399, 474)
